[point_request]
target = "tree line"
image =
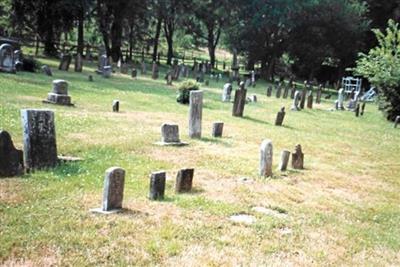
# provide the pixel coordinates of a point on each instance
(314, 36)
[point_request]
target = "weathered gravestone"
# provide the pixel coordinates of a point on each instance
(278, 90)
(266, 154)
(296, 101)
(195, 113)
(286, 92)
(107, 71)
(269, 91)
(170, 135)
(113, 191)
(396, 121)
(310, 99)
(39, 136)
(59, 94)
(133, 73)
(78, 63)
(303, 98)
(284, 160)
(169, 77)
(65, 61)
(124, 69)
(362, 109)
(115, 106)
(339, 102)
(184, 181)
(292, 91)
(7, 58)
(11, 159)
(298, 158)
(144, 68)
(357, 110)
(103, 61)
(226, 93)
(154, 74)
(239, 101)
(280, 116)
(46, 70)
(319, 94)
(157, 185)
(217, 129)
(18, 60)
(90, 78)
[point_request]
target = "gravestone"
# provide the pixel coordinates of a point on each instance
(303, 98)
(144, 68)
(319, 94)
(296, 101)
(7, 58)
(195, 113)
(103, 62)
(11, 159)
(133, 73)
(239, 101)
(310, 99)
(157, 185)
(115, 106)
(59, 94)
(286, 92)
(396, 121)
(206, 82)
(253, 78)
(18, 60)
(184, 181)
(170, 135)
(269, 91)
(362, 108)
(284, 160)
(65, 62)
(46, 70)
(278, 90)
(169, 77)
(266, 154)
(298, 158)
(292, 91)
(154, 74)
(226, 93)
(113, 191)
(90, 78)
(107, 71)
(39, 136)
(357, 110)
(217, 129)
(280, 116)
(339, 102)
(125, 68)
(78, 63)
(247, 83)
(253, 98)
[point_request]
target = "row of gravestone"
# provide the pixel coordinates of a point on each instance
(114, 183)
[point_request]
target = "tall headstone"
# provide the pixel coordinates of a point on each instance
(280, 116)
(296, 101)
(319, 94)
(396, 121)
(184, 181)
(7, 58)
(310, 99)
(266, 154)
(11, 159)
(154, 74)
(59, 94)
(339, 102)
(115, 106)
(303, 97)
(217, 129)
(226, 93)
(39, 136)
(357, 110)
(284, 160)
(78, 63)
(298, 158)
(278, 90)
(292, 91)
(195, 113)
(144, 68)
(107, 71)
(239, 101)
(269, 91)
(286, 92)
(65, 62)
(157, 185)
(113, 191)
(134, 73)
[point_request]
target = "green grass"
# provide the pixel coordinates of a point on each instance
(341, 210)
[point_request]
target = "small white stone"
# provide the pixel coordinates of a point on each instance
(243, 218)
(269, 212)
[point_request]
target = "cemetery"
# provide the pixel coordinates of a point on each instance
(191, 162)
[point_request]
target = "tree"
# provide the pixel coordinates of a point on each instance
(381, 66)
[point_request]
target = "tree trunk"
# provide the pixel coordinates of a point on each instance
(49, 46)
(130, 42)
(116, 40)
(211, 53)
(80, 45)
(156, 38)
(169, 35)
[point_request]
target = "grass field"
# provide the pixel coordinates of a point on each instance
(343, 209)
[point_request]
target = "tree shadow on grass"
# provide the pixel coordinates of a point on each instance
(256, 120)
(215, 140)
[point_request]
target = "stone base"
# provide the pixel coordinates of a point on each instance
(54, 103)
(171, 144)
(105, 212)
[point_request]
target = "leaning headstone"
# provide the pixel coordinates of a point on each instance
(157, 185)
(78, 63)
(319, 94)
(296, 101)
(269, 91)
(46, 70)
(184, 181)
(11, 159)
(7, 58)
(298, 158)
(39, 136)
(59, 94)
(115, 106)
(266, 154)
(239, 101)
(65, 62)
(154, 74)
(226, 93)
(170, 135)
(280, 116)
(310, 99)
(396, 121)
(113, 191)
(217, 129)
(195, 113)
(284, 160)
(107, 71)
